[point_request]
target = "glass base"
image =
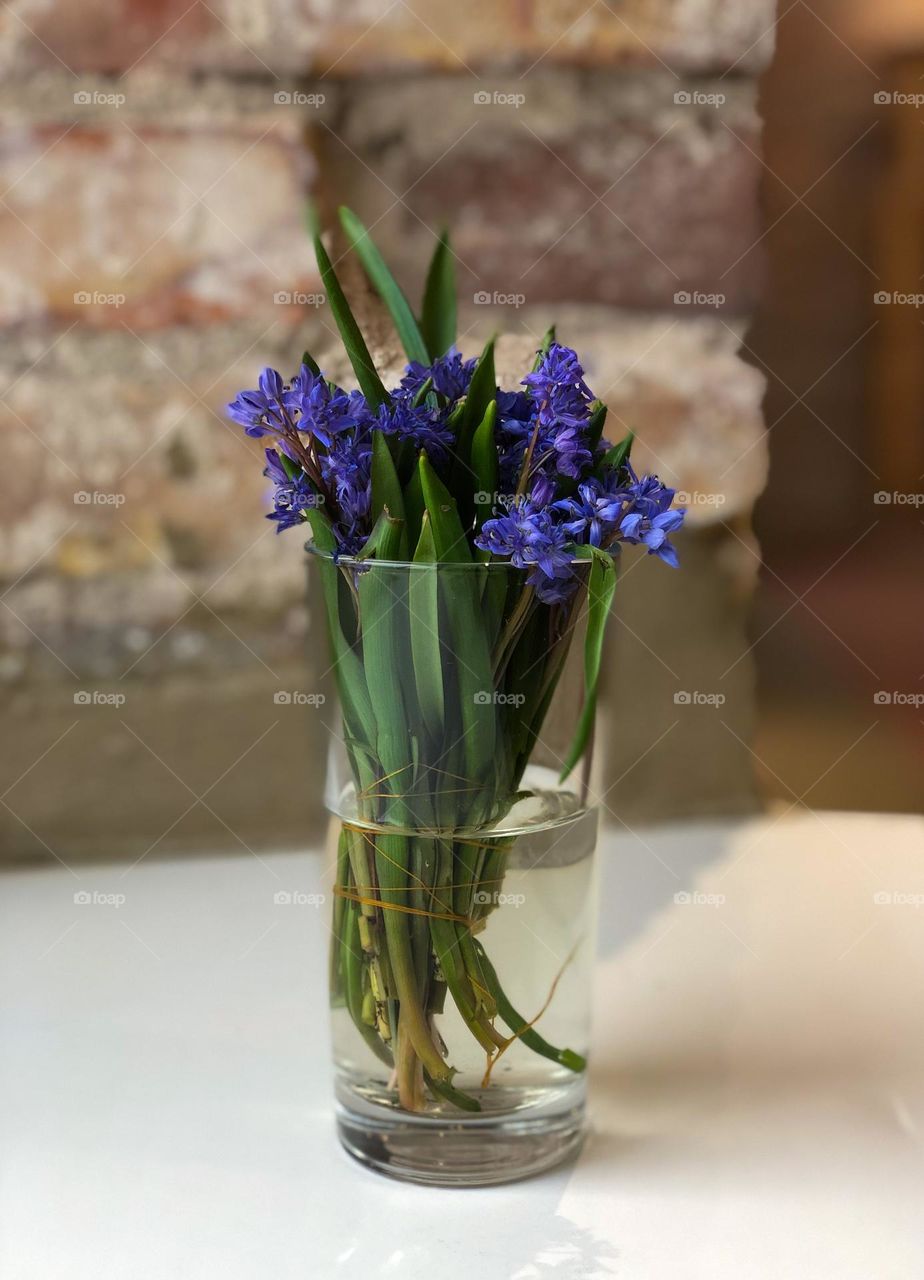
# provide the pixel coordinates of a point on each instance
(513, 1138)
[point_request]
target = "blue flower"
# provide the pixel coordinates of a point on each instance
(319, 409)
(422, 425)
(450, 373)
(558, 389)
(648, 518)
(554, 413)
(261, 412)
(531, 540)
(290, 496)
(653, 532)
(593, 514)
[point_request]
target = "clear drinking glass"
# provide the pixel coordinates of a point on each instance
(464, 897)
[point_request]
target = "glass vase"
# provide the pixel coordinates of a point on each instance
(462, 934)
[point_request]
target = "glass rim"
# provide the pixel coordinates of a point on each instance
(312, 549)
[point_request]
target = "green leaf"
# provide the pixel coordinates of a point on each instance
(424, 610)
(387, 541)
(595, 425)
(386, 489)
(348, 671)
(484, 465)
(544, 347)
(413, 506)
(312, 364)
(601, 585)
(616, 457)
(385, 286)
(369, 381)
(438, 320)
(448, 534)
(482, 391)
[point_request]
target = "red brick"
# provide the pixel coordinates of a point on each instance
(152, 225)
(356, 37)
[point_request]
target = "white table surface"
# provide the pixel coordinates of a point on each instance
(757, 1084)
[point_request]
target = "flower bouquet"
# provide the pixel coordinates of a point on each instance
(464, 535)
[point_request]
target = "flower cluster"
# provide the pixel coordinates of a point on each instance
(550, 455)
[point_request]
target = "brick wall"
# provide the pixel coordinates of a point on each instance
(599, 166)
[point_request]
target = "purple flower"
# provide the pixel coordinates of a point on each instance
(593, 514)
(290, 496)
(318, 409)
(553, 416)
(648, 518)
(261, 412)
(558, 389)
(422, 425)
(450, 373)
(531, 540)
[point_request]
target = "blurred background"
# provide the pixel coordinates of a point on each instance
(721, 205)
